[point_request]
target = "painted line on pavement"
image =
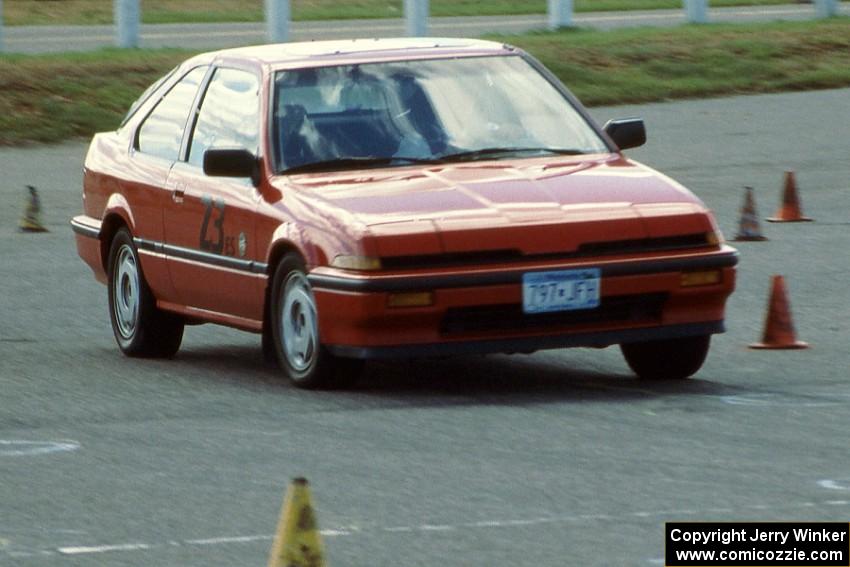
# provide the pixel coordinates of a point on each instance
(83, 550)
(88, 550)
(22, 448)
(836, 484)
(224, 540)
(782, 399)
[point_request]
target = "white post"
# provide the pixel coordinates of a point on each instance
(416, 17)
(826, 8)
(696, 11)
(560, 14)
(127, 16)
(278, 15)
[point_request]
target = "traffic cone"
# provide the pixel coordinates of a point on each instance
(790, 210)
(31, 221)
(297, 542)
(778, 327)
(749, 228)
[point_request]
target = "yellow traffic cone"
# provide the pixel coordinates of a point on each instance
(31, 221)
(297, 542)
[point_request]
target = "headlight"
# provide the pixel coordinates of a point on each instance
(345, 262)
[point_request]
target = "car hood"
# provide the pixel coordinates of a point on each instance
(534, 206)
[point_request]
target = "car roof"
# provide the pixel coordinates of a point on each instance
(300, 54)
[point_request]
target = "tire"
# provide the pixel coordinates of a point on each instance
(295, 332)
(672, 359)
(269, 351)
(140, 329)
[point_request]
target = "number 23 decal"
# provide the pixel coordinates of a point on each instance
(211, 205)
(214, 214)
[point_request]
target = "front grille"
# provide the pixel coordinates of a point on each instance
(619, 309)
(452, 259)
(645, 245)
(587, 250)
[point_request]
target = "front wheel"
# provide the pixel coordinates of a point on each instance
(672, 359)
(140, 328)
(295, 332)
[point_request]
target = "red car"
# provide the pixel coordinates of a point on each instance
(394, 198)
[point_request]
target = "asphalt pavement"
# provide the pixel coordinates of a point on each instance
(554, 459)
(40, 39)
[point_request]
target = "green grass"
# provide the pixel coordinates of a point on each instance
(50, 98)
(81, 12)
(646, 64)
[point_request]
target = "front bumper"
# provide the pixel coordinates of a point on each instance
(87, 234)
(478, 310)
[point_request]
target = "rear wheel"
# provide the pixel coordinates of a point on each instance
(295, 332)
(672, 359)
(140, 328)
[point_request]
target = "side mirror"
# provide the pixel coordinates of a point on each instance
(231, 162)
(626, 132)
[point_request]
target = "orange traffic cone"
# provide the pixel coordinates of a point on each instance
(749, 228)
(790, 210)
(31, 221)
(778, 327)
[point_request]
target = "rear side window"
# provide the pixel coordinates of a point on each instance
(229, 115)
(145, 95)
(162, 131)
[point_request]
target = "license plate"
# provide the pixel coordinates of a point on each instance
(563, 290)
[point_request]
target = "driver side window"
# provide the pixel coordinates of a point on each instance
(161, 134)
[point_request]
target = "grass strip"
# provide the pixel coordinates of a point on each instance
(88, 12)
(51, 98)
(694, 61)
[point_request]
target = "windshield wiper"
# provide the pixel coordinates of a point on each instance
(343, 163)
(485, 153)
(356, 162)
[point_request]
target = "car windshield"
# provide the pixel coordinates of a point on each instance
(429, 111)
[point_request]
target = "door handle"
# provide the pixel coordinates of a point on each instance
(178, 194)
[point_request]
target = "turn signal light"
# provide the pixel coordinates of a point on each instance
(714, 237)
(707, 277)
(356, 263)
(411, 299)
